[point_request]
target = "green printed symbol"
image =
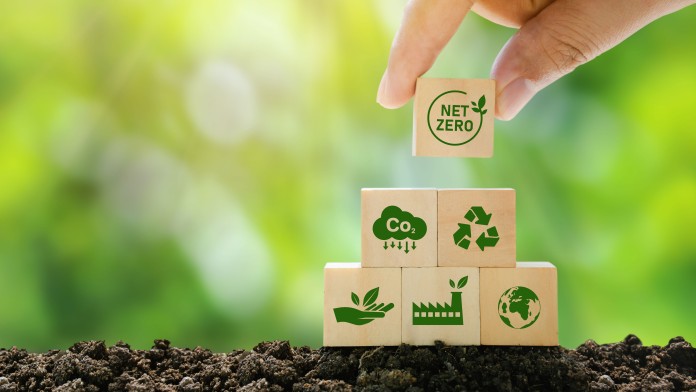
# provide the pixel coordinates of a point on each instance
(519, 307)
(371, 311)
(447, 314)
(398, 225)
(477, 216)
(452, 120)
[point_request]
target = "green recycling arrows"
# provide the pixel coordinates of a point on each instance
(477, 216)
(461, 236)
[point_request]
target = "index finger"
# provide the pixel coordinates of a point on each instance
(426, 27)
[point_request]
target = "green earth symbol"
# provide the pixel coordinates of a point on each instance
(519, 307)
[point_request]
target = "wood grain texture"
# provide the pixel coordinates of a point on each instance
(421, 203)
(341, 280)
(539, 277)
(453, 206)
(441, 111)
(432, 286)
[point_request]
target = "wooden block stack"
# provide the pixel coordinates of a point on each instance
(439, 265)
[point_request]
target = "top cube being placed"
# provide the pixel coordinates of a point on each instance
(454, 118)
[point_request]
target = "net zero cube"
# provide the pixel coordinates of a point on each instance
(519, 306)
(362, 306)
(440, 303)
(476, 228)
(453, 117)
(399, 227)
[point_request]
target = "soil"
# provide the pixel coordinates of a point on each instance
(276, 366)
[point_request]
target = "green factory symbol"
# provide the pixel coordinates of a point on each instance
(452, 120)
(399, 226)
(489, 235)
(447, 314)
(519, 307)
(371, 310)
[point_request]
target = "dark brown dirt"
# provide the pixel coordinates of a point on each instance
(276, 366)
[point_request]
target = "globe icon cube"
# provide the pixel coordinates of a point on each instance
(362, 306)
(519, 306)
(476, 228)
(453, 117)
(399, 227)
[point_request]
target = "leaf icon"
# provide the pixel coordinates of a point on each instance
(475, 109)
(482, 102)
(371, 297)
(473, 103)
(462, 282)
(484, 111)
(355, 299)
(451, 283)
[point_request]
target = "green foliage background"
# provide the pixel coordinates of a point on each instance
(183, 170)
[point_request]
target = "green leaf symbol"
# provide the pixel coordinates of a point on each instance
(485, 111)
(482, 102)
(462, 282)
(355, 299)
(451, 283)
(473, 103)
(371, 297)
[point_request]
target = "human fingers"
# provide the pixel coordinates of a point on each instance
(426, 27)
(510, 13)
(564, 35)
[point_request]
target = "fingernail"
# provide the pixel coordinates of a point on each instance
(513, 98)
(381, 89)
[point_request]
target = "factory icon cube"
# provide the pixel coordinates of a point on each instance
(440, 265)
(440, 304)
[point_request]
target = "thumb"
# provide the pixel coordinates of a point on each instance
(566, 34)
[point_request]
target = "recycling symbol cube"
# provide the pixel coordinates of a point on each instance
(476, 228)
(477, 217)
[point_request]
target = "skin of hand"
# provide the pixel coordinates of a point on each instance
(554, 37)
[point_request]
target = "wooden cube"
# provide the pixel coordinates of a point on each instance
(476, 228)
(453, 117)
(362, 306)
(399, 227)
(440, 303)
(519, 306)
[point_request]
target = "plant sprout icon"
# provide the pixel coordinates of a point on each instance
(398, 225)
(478, 107)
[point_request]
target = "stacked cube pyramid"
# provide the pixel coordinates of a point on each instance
(439, 264)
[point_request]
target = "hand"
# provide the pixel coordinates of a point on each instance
(554, 37)
(360, 317)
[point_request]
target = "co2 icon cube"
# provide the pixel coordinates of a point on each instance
(399, 227)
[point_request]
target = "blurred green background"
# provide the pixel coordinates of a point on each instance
(183, 170)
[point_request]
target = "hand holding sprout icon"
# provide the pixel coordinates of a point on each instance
(371, 311)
